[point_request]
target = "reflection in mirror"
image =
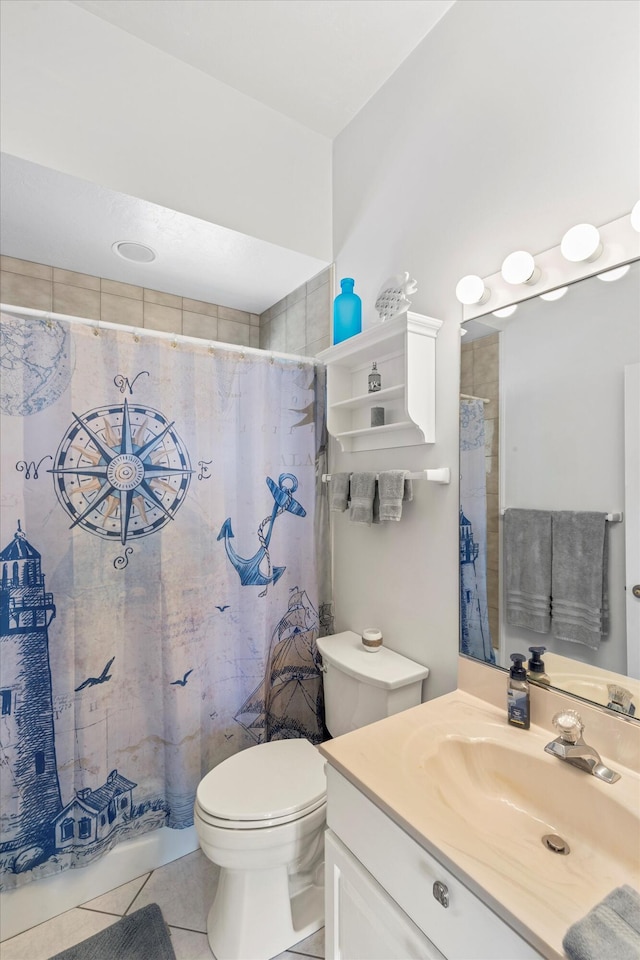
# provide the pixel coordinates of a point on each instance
(543, 427)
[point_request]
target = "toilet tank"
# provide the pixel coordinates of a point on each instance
(361, 687)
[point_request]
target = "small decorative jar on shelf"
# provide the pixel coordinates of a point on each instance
(374, 380)
(377, 416)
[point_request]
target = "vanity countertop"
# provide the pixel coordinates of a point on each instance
(479, 795)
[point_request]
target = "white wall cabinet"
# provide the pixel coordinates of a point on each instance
(379, 879)
(404, 350)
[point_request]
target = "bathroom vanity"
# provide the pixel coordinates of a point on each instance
(434, 844)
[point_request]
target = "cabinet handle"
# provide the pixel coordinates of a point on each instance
(441, 893)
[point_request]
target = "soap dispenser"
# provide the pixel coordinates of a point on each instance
(536, 670)
(518, 693)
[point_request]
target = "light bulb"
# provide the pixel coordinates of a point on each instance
(506, 311)
(581, 243)
(554, 294)
(471, 290)
(520, 267)
(615, 274)
(635, 216)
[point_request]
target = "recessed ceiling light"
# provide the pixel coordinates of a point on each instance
(131, 250)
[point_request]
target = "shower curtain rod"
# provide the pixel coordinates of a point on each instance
(467, 396)
(141, 332)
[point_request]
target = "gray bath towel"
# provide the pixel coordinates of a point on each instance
(580, 609)
(391, 487)
(610, 929)
(339, 492)
(527, 564)
(363, 488)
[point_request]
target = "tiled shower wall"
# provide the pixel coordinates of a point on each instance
(479, 377)
(300, 323)
(297, 324)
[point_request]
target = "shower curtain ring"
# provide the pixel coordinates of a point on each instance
(96, 329)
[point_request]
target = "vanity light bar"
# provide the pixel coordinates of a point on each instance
(610, 517)
(526, 276)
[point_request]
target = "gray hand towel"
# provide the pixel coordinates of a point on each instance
(610, 929)
(363, 488)
(580, 609)
(527, 564)
(391, 486)
(339, 492)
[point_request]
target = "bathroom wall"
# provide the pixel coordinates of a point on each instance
(479, 376)
(92, 101)
(508, 124)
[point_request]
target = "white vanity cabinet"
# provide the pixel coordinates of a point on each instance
(404, 350)
(387, 898)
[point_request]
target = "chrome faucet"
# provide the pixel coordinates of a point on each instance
(570, 746)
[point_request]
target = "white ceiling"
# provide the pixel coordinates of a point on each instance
(340, 52)
(316, 61)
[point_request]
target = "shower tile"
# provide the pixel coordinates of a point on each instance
(318, 314)
(117, 289)
(119, 900)
(485, 364)
(323, 277)
(254, 319)
(158, 317)
(231, 332)
(279, 333)
(184, 890)
(120, 310)
(25, 291)
(26, 268)
(313, 349)
(254, 337)
(165, 299)
(76, 301)
(188, 945)
(56, 935)
(295, 326)
(265, 336)
(296, 296)
(199, 325)
(229, 313)
(199, 306)
(76, 279)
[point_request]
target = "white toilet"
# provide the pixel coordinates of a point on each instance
(260, 814)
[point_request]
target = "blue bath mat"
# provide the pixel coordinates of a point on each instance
(141, 936)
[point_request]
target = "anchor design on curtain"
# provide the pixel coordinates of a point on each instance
(249, 569)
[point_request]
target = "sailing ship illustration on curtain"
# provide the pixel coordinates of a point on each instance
(475, 636)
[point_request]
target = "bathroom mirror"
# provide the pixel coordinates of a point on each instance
(548, 430)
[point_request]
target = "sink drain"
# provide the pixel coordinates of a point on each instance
(556, 844)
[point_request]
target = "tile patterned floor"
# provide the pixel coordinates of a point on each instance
(184, 891)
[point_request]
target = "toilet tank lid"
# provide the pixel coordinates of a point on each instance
(385, 668)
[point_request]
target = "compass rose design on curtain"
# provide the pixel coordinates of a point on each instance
(110, 464)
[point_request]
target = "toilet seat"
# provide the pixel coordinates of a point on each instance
(264, 786)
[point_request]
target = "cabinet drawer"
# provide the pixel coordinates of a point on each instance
(466, 927)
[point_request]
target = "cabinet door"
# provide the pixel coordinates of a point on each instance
(362, 921)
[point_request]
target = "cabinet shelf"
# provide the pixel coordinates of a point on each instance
(404, 351)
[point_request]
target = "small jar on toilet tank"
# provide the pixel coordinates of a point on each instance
(371, 640)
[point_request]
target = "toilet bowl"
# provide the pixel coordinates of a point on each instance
(260, 816)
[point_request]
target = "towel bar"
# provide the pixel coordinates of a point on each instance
(437, 475)
(610, 517)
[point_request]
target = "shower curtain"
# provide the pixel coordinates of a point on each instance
(475, 636)
(162, 517)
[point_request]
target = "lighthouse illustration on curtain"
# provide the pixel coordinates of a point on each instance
(27, 743)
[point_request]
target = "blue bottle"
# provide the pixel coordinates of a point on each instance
(347, 312)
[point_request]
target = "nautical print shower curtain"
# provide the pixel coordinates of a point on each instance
(475, 636)
(159, 600)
